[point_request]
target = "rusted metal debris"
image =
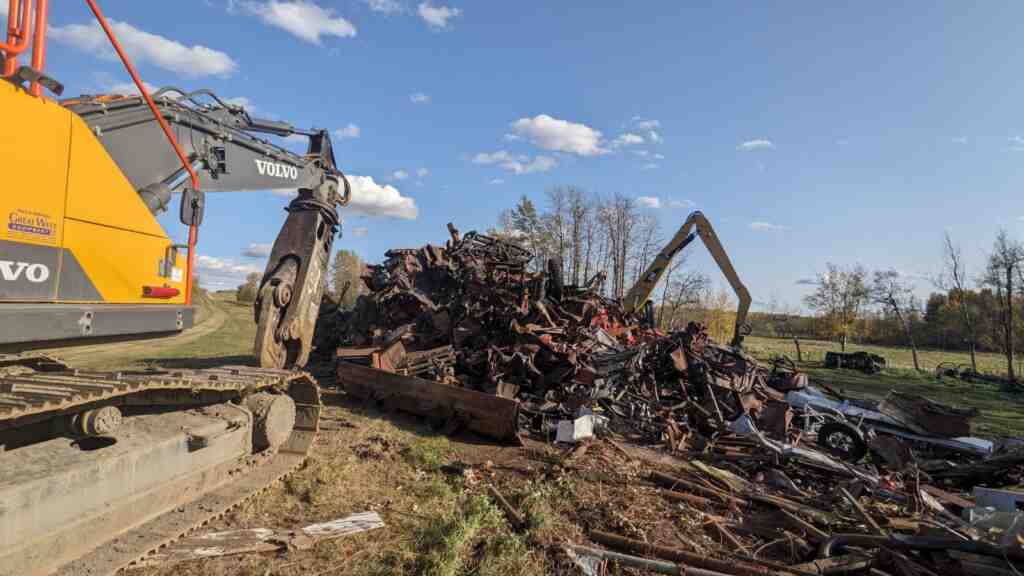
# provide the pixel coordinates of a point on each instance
(449, 407)
(788, 477)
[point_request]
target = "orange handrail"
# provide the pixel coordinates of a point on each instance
(192, 230)
(17, 34)
(39, 43)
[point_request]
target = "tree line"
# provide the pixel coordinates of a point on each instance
(970, 310)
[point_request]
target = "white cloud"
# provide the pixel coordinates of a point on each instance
(756, 144)
(641, 153)
(492, 158)
(360, 231)
(371, 198)
(257, 250)
(302, 18)
(643, 124)
(419, 98)
(513, 137)
(959, 140)
(144, 47)
(497, 181)
(216, 273)
(560, 135)
(385, 6)
(422, 172)
(3, 9)
(127, 88)
(658, 156)
(767, 227)
(521, 164)
(399, 175)
(654, 137)
(649, 201)
(1016, 143)
(241, 101)
(627, 139)
(350, 131)
(437, 17)
(684, 203)
(807, 282)
(649, 166)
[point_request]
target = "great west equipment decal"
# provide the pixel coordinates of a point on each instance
(31, 225)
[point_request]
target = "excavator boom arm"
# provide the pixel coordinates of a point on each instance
(225, 147)
(648, 281)
(221, 139)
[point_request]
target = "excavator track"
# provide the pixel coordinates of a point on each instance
(31, 400)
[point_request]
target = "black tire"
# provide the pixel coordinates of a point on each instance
(842, 440)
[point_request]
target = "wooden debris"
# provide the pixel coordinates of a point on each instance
(514, 516)
(674, 554)
(862, 512)
(259, 540)
(673, 482)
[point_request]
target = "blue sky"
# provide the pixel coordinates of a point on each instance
(807, 131)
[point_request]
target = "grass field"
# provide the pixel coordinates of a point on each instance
(814, 351)
(1002, 410)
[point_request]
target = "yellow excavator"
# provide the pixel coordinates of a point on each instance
(87, 457)
(695, 225)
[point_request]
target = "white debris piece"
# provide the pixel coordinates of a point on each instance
(573, 431)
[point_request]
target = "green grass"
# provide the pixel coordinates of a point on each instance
(1001, 410)
(234, 340)
(897, 357)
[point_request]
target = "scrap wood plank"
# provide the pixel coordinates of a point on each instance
(259, 540)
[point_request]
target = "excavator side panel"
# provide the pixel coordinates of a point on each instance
(77, 244)
(34, 158)
(118, 241)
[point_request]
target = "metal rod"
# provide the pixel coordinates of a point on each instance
(193, 233)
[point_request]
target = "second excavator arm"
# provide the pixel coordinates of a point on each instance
(644, 287)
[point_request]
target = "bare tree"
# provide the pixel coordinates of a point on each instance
(618, 215)
(578, 212)
(1004, 264)
(953, 280)
(556, 222)
(840, 297)
(672, 267)
(684, 290)
(647, 243)
(896, 296)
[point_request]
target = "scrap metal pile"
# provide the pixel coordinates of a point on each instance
(467, 336)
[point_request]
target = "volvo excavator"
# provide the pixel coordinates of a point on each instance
(696, 225)
(97, 469)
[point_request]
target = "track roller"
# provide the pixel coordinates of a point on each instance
(274, 416)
